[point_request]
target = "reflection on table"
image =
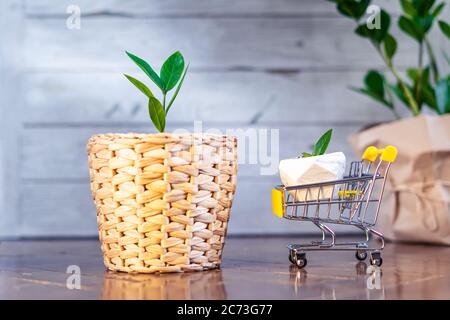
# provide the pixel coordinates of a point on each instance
(368, 278)
(192, 285)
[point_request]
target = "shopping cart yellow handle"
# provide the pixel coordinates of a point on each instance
(277, 203)
(388, 154)
(370, 154)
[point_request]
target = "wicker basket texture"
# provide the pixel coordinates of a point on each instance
(163, 200)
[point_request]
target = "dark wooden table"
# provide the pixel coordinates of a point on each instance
(253, 268)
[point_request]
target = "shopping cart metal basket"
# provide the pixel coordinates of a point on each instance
(353, 201)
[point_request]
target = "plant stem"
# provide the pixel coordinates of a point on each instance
(164, 101)
(434, 66)
(419, 75)
(406, 92)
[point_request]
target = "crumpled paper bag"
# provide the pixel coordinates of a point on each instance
(416, 203)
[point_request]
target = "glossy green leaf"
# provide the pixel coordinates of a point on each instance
(421, 83)
(408, 8)
(375, 88)
(424, 23)
(390, 46)
(423, 6)
(171, 70)
(412, 74)
(442, 92)
(374, 96)
(408, 26)
(322, 144)
(363, 31)
(157, 113)
(141, 63)
(177, 90)
(306, 155)
(437, 11)
(427, 95)
(142, 87)
(375, 82)
(429, 98)
(353, 9)
(445, 28)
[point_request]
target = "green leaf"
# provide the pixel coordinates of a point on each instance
(375, 88)
(142, 87)
(420, 79)
(445, 28)
(424, 23)
(390, 46)
(412, 73)
(322, 144)
(429, 98)
(374, 96)
(353, 9)
(397, 90)
(408, 26)
(427, 92)
(376, 33)
(306, 155)
(437, 11)
(177, 90)
(408, 8)
(442, 92)
(157, 113)
(375, 82)
(172, 70)
(363, 31)
(147, 69)
(423, 6)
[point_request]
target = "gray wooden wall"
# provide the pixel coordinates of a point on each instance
(283, 64)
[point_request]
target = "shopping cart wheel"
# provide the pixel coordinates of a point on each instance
(375, 259)
(299, 259)
(361, 255)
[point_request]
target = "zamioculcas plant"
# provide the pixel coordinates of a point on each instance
(321, 145)
(423, 84)
(172, 73)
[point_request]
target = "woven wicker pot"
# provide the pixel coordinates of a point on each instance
(163, 200)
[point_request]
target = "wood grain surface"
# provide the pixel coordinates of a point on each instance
(253, 268)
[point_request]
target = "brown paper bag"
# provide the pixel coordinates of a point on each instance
(416, 203)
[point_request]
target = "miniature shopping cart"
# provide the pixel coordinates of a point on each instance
(353, 201)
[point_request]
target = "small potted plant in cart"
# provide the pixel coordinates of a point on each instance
(163, 200)
(313, 167)
(315, 189)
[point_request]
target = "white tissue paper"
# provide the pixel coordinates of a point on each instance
(300, 171)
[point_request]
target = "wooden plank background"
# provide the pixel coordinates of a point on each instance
(260, 64)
